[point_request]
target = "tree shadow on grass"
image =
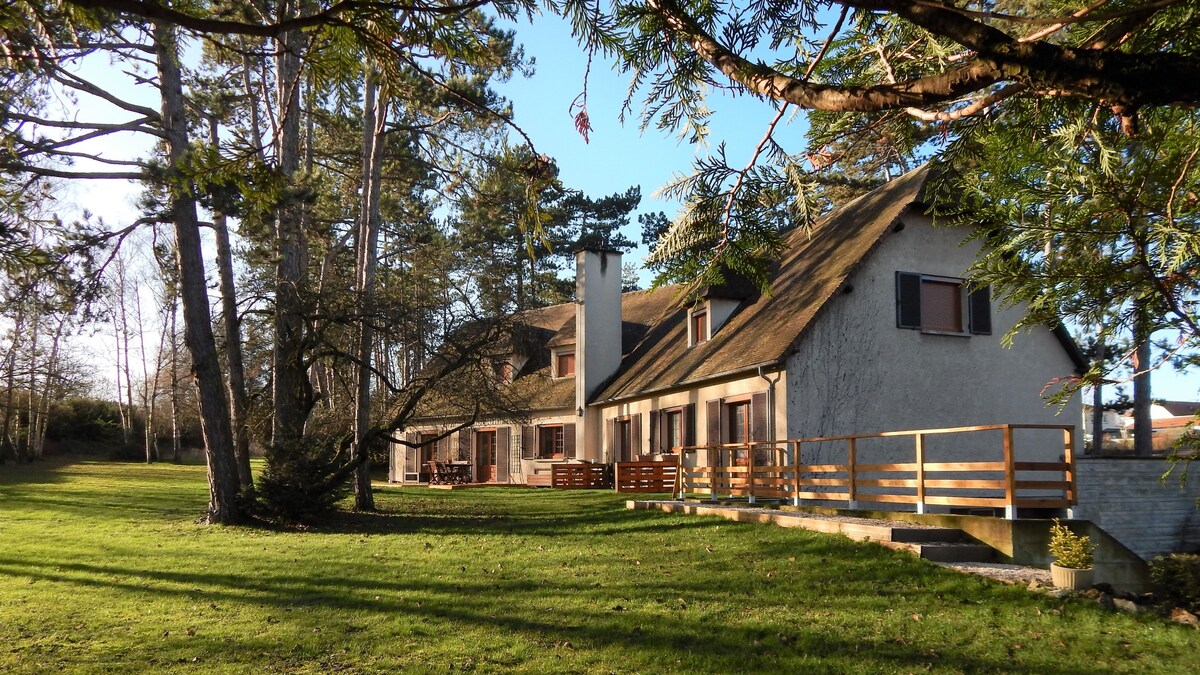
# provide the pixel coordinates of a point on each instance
(622, 615)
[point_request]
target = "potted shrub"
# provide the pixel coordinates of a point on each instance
(1072, 566)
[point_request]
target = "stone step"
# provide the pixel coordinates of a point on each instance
(927, 534)
(945, 551)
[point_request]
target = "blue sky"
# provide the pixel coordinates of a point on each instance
(618, 155)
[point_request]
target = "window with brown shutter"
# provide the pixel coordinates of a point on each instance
(565, 364)
(941, 305)
(551, 441)
(464, 445)
(699, 324)
(503, 450)
(713, 418)
(670, 429)
(528, 442)
(569, 441)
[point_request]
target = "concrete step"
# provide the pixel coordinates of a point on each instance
(938, 544)
(945, 551)
(927, 534)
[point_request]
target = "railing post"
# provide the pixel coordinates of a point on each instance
(1069, 459)
(1010, 475)
(749, 474)
(920, 443)
(679, 476)
(796, 473)
(851, 461)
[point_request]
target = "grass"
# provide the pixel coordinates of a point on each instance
(103, 569)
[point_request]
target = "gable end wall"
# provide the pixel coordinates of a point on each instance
(855, 372)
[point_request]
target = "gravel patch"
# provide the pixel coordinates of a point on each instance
(1009, 574)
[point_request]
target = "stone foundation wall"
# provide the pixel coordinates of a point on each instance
(1126, 497)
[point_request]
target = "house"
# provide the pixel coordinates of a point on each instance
(870, 326)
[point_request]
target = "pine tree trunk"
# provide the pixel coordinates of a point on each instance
(236, 382)
(214, 412)
(290, 386)
(374, 117)
(26, 448)
(1098, 405)
(1143, 431)
(7, 436)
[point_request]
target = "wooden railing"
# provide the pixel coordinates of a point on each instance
(985, 474)
(580, 477)
(646, 476)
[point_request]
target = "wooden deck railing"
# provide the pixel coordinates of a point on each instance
(989, 472)
(646, 476)
(580, 477)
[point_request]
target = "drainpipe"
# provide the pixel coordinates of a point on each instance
(770, 415)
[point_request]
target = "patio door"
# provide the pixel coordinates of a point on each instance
(485, 456)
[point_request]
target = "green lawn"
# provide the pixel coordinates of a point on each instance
(103, 569)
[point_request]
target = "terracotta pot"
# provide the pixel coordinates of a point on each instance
(1069, 577)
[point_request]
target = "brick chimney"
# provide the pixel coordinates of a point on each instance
(597, 339)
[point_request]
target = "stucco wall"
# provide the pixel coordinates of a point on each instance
(699, 397)
(855, 372)
(1126, 498)
(519, 469)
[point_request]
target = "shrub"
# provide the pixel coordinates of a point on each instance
(296, 485)
(1070, 549)
(1176, 579)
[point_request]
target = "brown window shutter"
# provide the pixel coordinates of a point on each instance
(714, 422)
(464, 444)
(979, 311)
(655, 433)
(528, 442)
(758, 417)
(635, 435)
(569, 441)
(908, 300)
(503, 451)
(689, 424)
(612, 438)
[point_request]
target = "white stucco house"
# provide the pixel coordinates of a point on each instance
(870, 326)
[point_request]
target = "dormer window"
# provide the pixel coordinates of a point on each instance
(564, 364)
(698, 326)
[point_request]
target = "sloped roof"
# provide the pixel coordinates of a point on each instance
(554, 326)
(1181, 408)
(815, 265)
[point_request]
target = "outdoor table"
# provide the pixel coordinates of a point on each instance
(458, 472)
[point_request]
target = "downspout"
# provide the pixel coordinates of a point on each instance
(770, 417)
(770, 401)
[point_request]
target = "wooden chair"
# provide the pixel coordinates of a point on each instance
(436, 473)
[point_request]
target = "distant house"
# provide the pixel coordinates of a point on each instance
(870, 326)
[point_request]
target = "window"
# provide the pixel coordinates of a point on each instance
(737, 416)
(672, 430)
(933, 304)
(623, 440)
(699, 327)
(503, 371)
(564, 364)
(428, 449)
(551, 442)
